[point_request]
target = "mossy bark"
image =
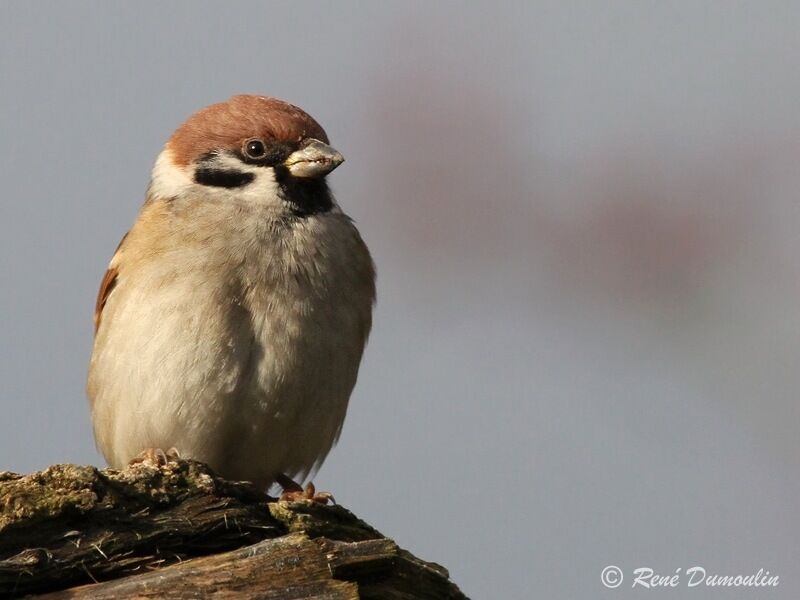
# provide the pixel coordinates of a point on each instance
(179, 531)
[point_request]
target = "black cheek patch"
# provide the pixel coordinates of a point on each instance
(226, 178)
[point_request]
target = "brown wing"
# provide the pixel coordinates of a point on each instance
(106, 287)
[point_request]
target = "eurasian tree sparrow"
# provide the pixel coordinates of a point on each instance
(232, 319)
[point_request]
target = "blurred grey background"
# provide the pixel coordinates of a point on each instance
(586, 219)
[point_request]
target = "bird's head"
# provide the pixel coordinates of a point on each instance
(249, 149)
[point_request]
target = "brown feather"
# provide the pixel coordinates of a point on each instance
(106, 287)
(228, 124)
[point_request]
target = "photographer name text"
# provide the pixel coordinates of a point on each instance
(696, 576)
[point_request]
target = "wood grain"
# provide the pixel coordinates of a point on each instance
(179, 531)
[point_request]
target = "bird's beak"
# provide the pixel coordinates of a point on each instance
(315, 159)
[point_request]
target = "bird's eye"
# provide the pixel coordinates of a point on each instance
(255, 149)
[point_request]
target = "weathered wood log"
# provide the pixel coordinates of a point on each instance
(179, 531)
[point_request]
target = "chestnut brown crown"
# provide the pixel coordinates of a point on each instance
(229, 124)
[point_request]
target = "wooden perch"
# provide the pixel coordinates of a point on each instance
(179, 531)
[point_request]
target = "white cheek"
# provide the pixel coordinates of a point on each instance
(262, 190)
(172, 181)
(168, 180)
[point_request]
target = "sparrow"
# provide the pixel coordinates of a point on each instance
(232, 319)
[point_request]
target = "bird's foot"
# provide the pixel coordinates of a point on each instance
(294, 492)
(155, 457)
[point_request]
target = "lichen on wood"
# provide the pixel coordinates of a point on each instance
(179, 530)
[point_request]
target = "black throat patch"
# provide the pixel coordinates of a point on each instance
(306, 196)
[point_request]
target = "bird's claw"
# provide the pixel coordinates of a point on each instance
(293, 492)
(155, 457)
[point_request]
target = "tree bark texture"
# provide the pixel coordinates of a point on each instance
(179, 531)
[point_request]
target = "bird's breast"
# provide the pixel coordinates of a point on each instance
(308, 293)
